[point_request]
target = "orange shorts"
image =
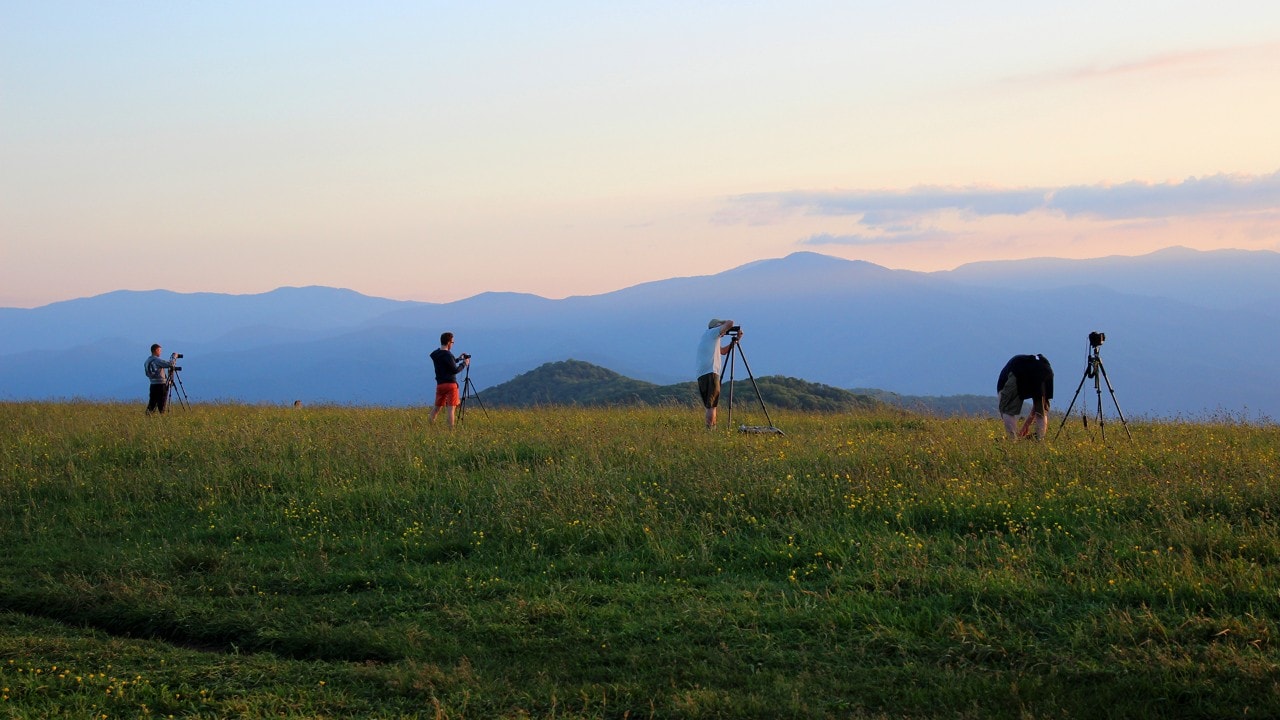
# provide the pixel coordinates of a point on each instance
(447, 395)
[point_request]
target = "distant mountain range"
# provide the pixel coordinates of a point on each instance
(1189, 333)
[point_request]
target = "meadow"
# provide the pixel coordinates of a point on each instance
(246, 561)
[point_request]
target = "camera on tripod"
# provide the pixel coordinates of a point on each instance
(1094, 370)
(176, 356)
(465, 356)
(735, 331)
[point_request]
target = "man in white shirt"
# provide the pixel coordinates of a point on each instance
(710, 356)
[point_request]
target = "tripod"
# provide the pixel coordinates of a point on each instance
(469, 389)
(1094, 369)
(735, 349)
(176, 389)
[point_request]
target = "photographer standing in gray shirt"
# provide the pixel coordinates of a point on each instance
(157, 370)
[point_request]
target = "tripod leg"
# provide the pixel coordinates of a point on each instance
(726, 366)
(174, 390)
(731, 362)
(755, 387)
(1115, 402)
(182, 392)
(462, 395)
(1102, 423)
(469, 387)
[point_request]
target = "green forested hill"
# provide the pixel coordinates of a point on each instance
(574, 382)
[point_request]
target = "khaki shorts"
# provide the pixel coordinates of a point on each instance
(1011, 404)
(709, 389)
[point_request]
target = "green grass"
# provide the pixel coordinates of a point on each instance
(233, 561)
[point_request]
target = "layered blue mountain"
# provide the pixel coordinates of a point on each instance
(1189, 333)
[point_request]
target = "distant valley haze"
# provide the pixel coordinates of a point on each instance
(1189, 333)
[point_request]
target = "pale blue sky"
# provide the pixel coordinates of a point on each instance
(433, 150)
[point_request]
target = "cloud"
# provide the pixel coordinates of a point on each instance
(884, 208)
(1185, 63)
(907, 210)
(829, 239)
(893, 237)
(1195, 196)
(1198, 61)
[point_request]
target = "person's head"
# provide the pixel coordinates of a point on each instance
(724, 325)
(446, 339)
(155, 348)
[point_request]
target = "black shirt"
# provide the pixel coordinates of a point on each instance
(447, 366)
(1034, 375)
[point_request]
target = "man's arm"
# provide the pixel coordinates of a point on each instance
(724, 328)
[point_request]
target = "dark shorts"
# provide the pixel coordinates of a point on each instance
(709, 389)
(447, 394)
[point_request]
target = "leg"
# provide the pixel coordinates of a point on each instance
(446, 397)
(1010, 426)
(709, 391)
(1040, 413)
(159, 397)
(442, 397)
(1010, 405)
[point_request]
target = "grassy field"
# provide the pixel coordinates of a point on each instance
(232, 561)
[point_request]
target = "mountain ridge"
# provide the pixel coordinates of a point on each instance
(1176, 348)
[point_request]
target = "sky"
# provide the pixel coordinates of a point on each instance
(433, 150)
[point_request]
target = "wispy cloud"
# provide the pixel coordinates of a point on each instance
(1193, 196)
(906, 210)
(890, 238)
(885, 208)
(1195, 61)
(1201, 62)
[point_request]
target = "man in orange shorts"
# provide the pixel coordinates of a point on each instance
(447, 369)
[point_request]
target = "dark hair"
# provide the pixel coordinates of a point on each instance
(155, 347)
(445, 339)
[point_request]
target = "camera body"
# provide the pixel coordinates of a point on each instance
(465, 356)
(735, 330)
(1097, 338)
